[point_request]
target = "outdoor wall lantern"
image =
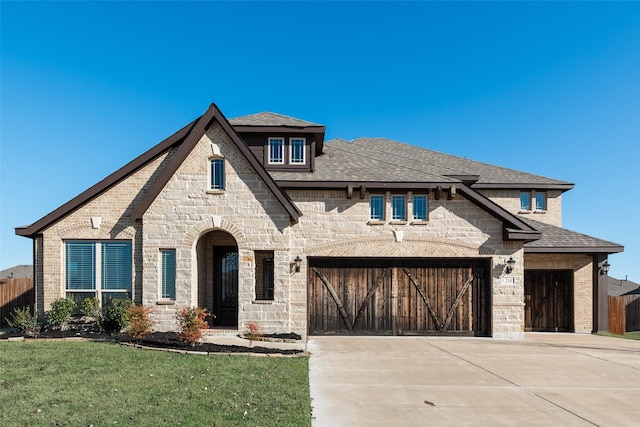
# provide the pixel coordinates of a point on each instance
(510, 264)
(604, 270)
(298, 262)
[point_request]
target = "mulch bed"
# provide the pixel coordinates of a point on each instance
(164, 340)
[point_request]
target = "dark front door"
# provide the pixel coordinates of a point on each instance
(225, 285)
(548, 300)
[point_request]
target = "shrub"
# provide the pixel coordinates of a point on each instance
(60, 312)
(25, 322)
(140, 324)
(91, 307)
(192, 323)
(253, 331)
(114, 316)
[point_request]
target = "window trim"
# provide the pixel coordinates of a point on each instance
(266, 268)
(402, 217)
(167, 296)
(304, 151)
(282, 149)
(221, 161)
(533, 201)
(382, 210)
(426, 207)
(98, 269)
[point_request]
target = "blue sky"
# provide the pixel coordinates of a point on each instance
(547, 88)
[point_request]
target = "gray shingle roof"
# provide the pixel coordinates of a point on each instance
(380, 159)
(619, 287)
(558, 239)
(269, 119)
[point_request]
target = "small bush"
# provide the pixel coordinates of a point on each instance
(192, 323)
(60, 313)
(140, 324)
(253, 331)
(25, 322)
(114, 316)
(90, 307)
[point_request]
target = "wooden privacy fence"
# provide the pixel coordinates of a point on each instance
(624, 314)
(15, 293)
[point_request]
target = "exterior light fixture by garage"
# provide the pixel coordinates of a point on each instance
(298, 262)
(604, 270)
(510, 264)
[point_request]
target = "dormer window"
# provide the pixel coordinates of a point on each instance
(533, 201)
(297, 150)
(276, 151)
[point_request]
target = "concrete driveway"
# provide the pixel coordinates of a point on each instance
(545, 379)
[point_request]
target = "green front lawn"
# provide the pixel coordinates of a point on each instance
(635, 335)
(87, 383)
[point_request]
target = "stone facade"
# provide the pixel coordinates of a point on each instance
(190, 218)
(113, 208)
(510, 200)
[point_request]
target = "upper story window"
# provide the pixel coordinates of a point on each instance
(217, 174)
(376, 204)
(276, 151)
(398, 208)
(533, 201)
(420, 208)
(297, 150)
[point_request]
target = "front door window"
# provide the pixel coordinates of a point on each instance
(226, 286)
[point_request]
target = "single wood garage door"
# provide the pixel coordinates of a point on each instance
(398, 297)
(548, 300)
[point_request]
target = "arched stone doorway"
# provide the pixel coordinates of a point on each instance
(217, 253)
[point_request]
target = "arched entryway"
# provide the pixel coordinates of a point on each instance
(217, 253)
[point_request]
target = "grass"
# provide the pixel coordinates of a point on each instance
(628, 335)
(86, 383)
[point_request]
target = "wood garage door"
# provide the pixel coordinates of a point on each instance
(398, 297)
(548, 300)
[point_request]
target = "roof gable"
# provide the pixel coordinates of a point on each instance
(212, 114)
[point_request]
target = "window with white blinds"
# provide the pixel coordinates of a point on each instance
(104, 268)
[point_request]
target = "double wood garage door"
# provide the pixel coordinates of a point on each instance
(398, 297)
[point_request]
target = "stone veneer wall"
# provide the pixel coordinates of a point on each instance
(335, 226)
(582, 268)
(184, 214)
(510, 200)
(113, 208)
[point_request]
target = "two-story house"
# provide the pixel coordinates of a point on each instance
(258, 219)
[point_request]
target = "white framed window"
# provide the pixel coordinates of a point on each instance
(376, 204)
(420, 208)
(533, 201)
(168, 273)
(398, 208)
(217, 178)
(276, 151)
(98, 269)
(297, 151)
